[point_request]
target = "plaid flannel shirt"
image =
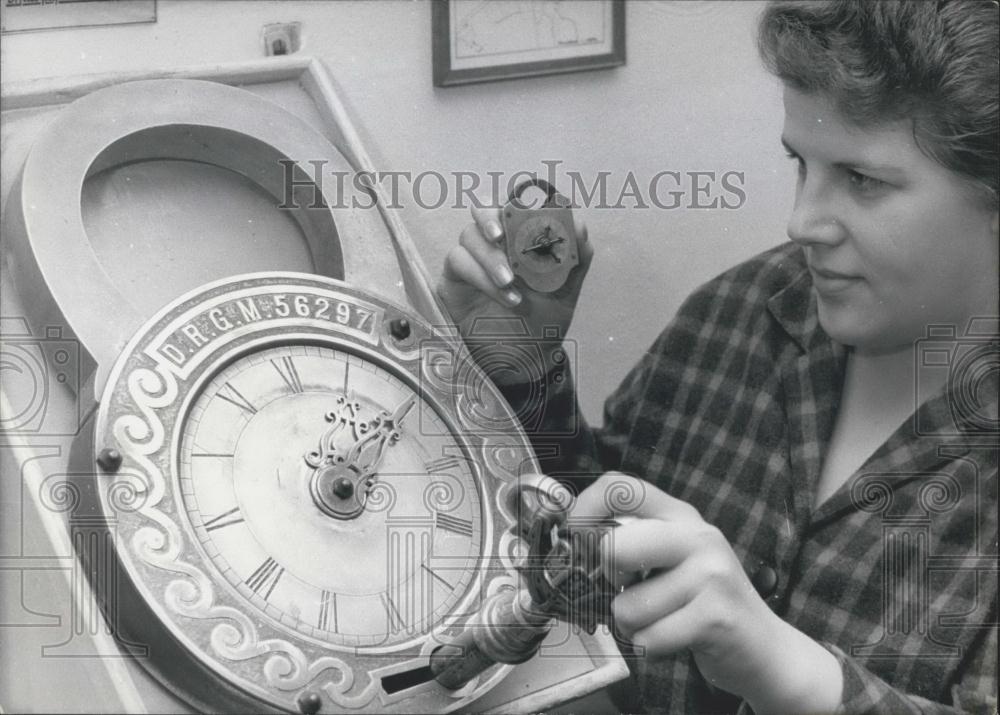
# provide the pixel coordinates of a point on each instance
(732, 410)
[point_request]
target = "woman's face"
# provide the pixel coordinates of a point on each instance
(894, 240)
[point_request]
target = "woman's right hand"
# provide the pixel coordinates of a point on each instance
(478, 282)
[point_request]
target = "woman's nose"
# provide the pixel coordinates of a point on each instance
(814, 218)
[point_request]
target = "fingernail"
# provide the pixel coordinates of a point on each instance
(504, 275)
(513, 297)
(493, 230)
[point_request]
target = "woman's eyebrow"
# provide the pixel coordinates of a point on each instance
(885, 169)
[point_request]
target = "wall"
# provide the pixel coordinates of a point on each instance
(692, 97)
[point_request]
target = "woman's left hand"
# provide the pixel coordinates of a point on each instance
(697, 596)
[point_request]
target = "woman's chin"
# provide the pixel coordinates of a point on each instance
(857, 325)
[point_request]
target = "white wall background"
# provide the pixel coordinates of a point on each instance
(692, 97)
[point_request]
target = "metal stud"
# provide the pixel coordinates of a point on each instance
(400, 328)
(309, 702)
(343, 488)
(109, 460)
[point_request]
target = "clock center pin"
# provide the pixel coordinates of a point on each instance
(336, 491)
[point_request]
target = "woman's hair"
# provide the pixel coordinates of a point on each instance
(936, 63)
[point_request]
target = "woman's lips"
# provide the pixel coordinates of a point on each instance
(828, 281)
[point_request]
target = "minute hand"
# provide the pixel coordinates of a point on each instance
(387, 431)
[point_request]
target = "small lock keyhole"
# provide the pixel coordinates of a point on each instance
(543, 244)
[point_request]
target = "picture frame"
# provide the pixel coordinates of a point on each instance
(507, 39)
(35, 15)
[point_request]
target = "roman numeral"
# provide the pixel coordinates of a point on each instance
(454, 524)
(442, 464)
(286, 368)
(230, 394)
(395, 620)
(221, 520)
(266, 576)
(327, 606)
(227, 455)
(436, 575)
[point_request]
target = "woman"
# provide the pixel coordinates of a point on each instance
(809, 542)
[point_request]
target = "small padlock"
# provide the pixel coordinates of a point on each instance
(541, 241)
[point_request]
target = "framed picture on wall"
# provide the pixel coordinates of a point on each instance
(27, 15)
(508, 39)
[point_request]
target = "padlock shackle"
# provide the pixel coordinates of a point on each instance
(518, 191)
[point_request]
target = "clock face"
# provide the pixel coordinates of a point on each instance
(542, 244)
(287, 459)
(309, 496)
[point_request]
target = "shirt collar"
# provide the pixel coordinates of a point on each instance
(794, 307)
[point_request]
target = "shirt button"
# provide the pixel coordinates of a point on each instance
(765, 581)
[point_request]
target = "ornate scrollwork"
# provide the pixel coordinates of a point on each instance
(505, 458)
(142, 436)
(350, 453)
(439, 358)
(127, 493)
(337, 692)
(237, 638)
(193, 597)
(346, 429)
(150, 390)
(288, 668)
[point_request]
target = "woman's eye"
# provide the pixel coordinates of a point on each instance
(863, 182)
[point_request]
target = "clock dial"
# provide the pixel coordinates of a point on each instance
(305, 502)
(285, 464)
(543, 244)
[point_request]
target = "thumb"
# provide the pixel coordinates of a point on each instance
(585, 255)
